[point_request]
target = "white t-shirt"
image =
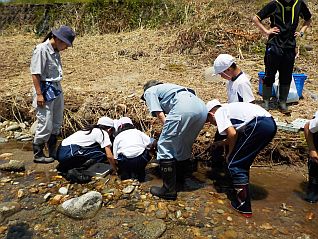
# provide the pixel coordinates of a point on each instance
(313, 124)
(81, 138)
(240, 87)
(131, 143)
(237, 114)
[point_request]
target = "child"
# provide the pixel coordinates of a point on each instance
(238, 84)
(311, 129)
(48, 99)
(86, 146)
(248, 129)
(239, 89)
(131, 150)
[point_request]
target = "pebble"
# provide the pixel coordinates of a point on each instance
(229, 219)
(161, 214)
(20, 193)
(129, 189)
(56, 199)
(47, 196)
(63, 190)
(178, 214)
(143, 197)
(220, 211)
(33, 190)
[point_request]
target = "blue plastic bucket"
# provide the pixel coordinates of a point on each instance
(299, 82)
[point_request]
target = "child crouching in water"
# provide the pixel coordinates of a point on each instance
(131, 150)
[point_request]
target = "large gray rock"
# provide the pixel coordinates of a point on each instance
(85, 206)
(151, 230)
(13, 165)
(7, 209)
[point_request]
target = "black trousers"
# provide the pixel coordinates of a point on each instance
(284, 64)
(133, 168)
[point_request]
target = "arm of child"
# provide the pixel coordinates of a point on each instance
(110, 158)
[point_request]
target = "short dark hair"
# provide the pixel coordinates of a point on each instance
(151, 83)
(234, 66)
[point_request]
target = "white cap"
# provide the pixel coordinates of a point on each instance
(124, 120)
(211, 104)
(106, 121)
(222, 62)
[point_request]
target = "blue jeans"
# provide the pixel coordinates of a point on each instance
(133, 168)
(254, 137)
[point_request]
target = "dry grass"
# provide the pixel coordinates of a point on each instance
(104, 74)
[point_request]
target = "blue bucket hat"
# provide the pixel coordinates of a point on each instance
(65, 34)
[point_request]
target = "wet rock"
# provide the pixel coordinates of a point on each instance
(151, 230)
(129, 189)
(85, 206)
(13, 165)
(6, 156)
(7, 209)
(161, 214)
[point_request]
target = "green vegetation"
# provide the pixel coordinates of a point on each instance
(44, 1)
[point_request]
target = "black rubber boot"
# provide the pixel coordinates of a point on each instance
(51, 145)
(242, 200)
(168, 173)
(283, 94)
(39, 156)
(312, 189)
(267, 94)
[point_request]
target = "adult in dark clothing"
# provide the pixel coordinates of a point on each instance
(281, 45)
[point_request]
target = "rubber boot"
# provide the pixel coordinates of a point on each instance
(312, 189)
(168, 173)
(283, 94)
(51, 145)
(267, 94)
(242, 200)
(39, 156)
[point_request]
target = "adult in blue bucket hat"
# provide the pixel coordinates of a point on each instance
(48, 100)
(280, 50)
